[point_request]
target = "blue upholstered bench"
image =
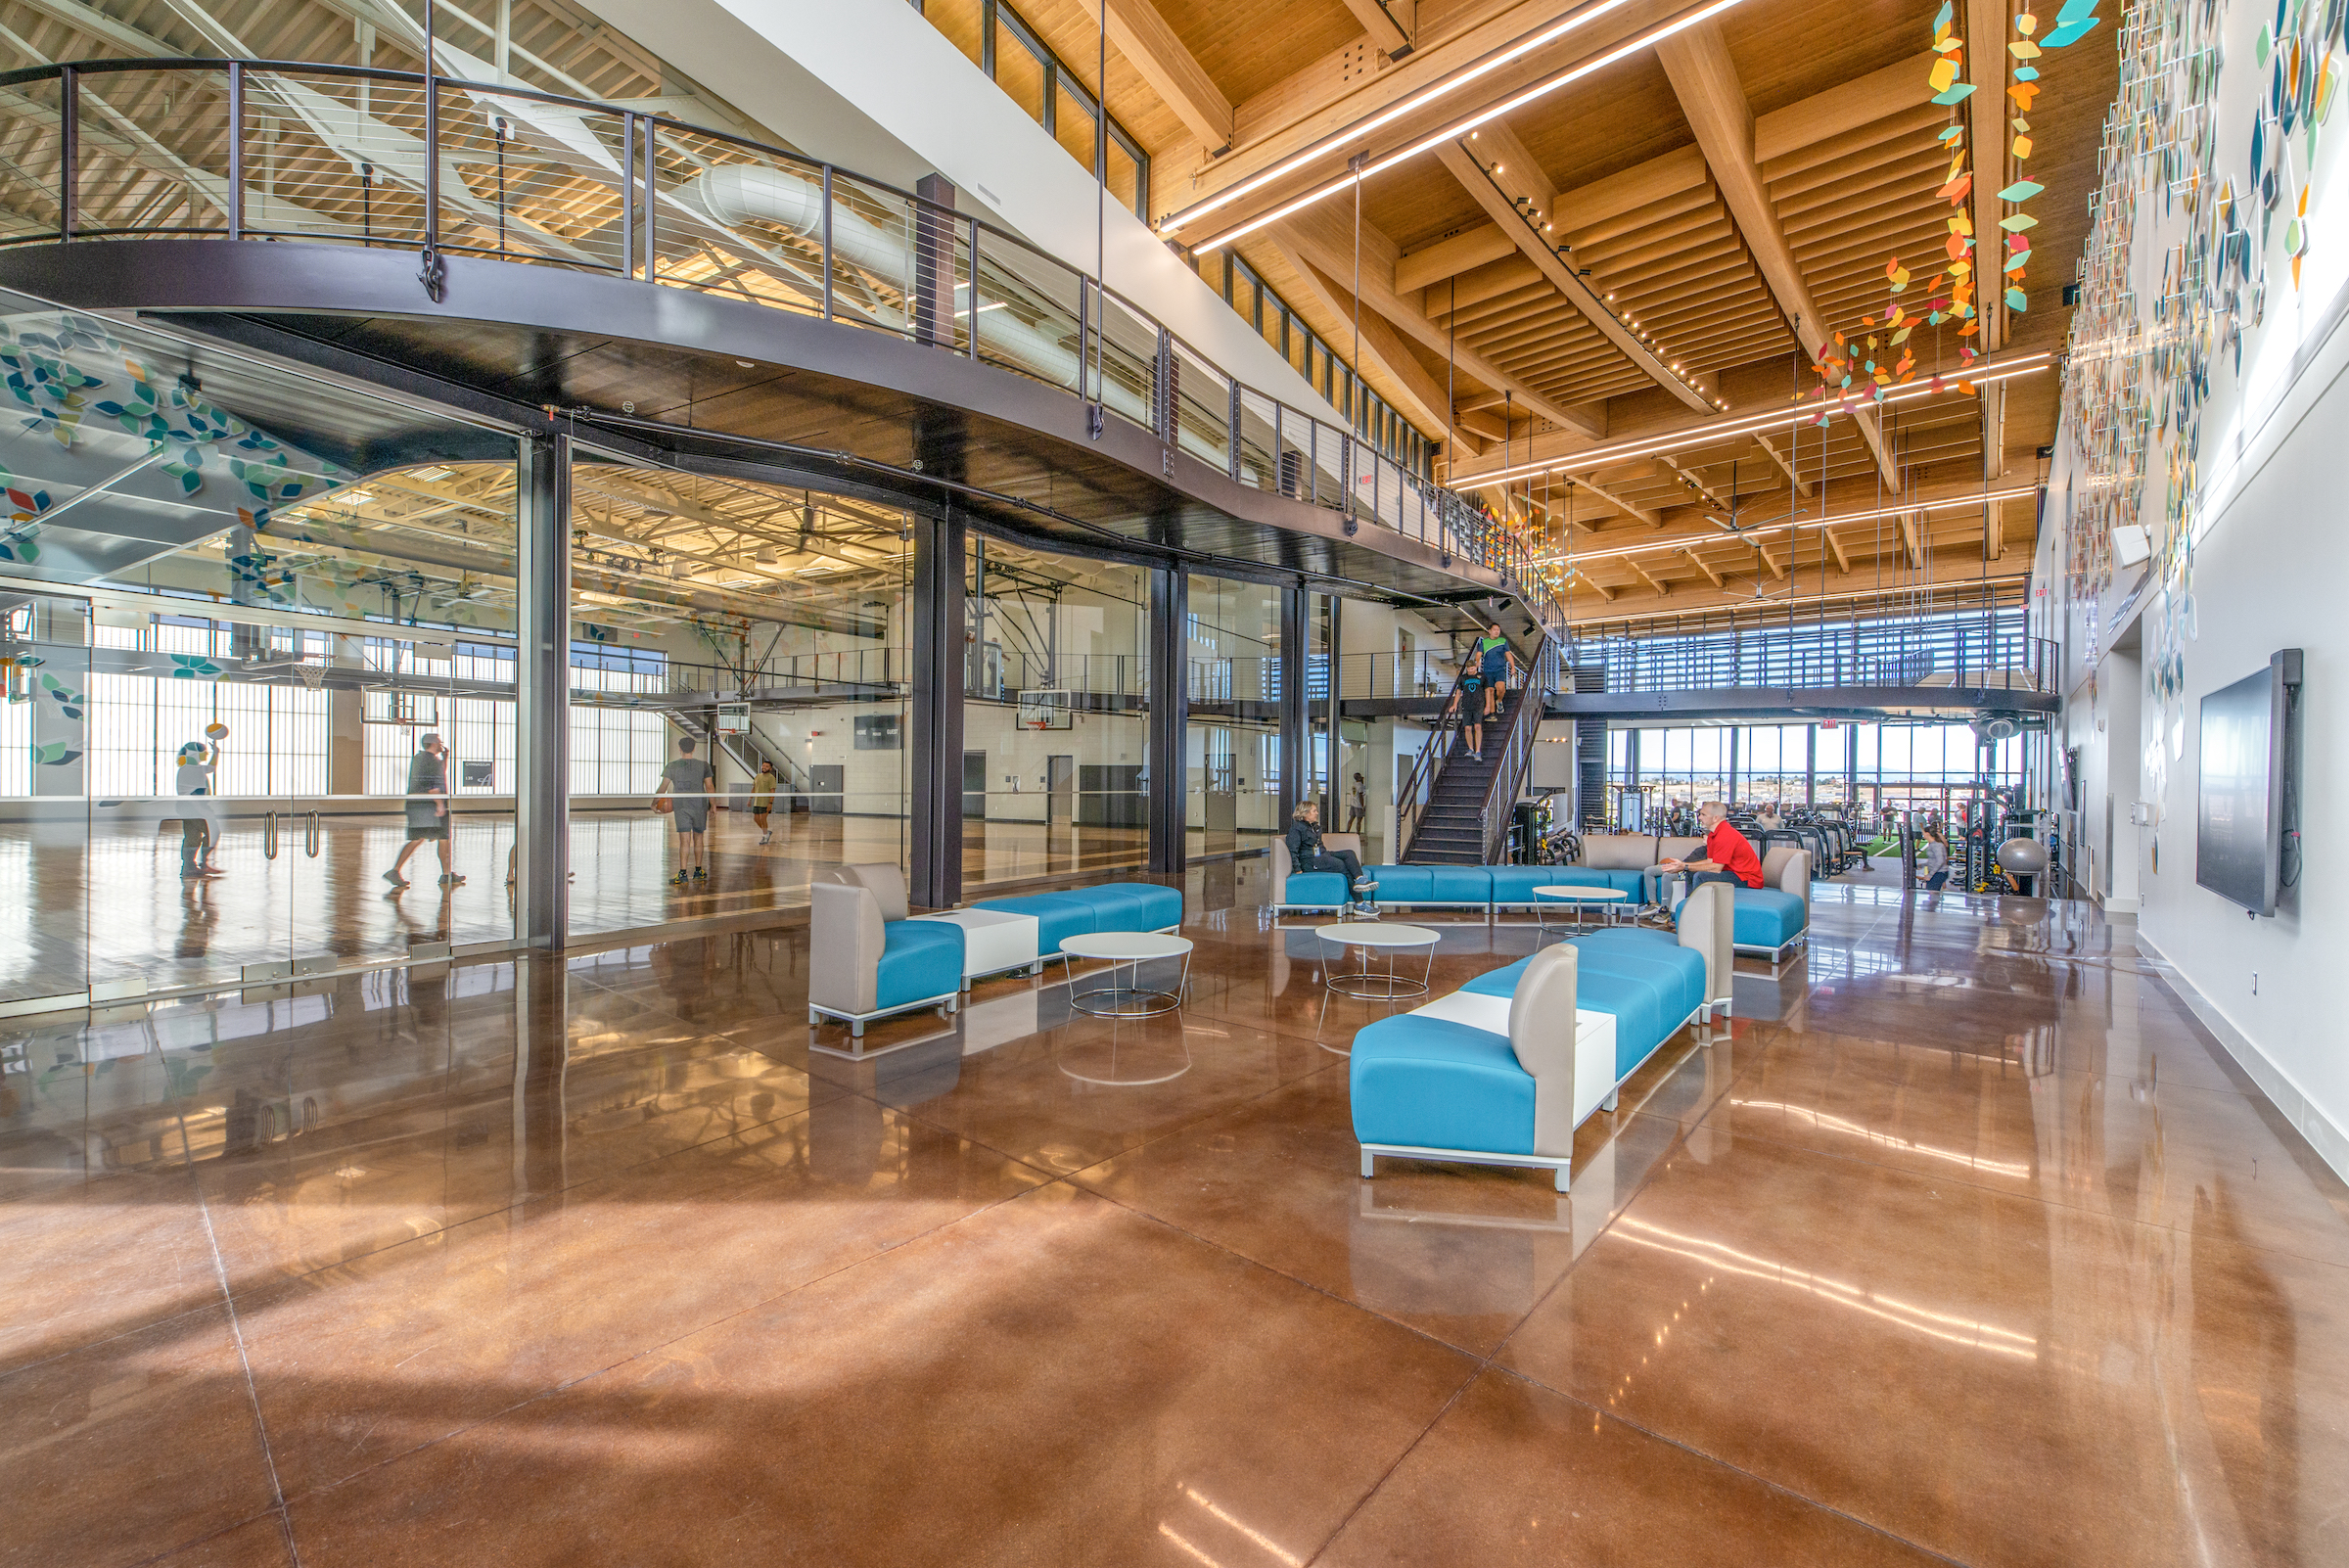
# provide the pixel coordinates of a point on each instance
(1090, 911)
(1432, 887)
(1504, 1070)
(1513, 885)
(1296, 892)
(867, 960)
(1775, 916)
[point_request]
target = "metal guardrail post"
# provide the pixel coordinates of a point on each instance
(652, 195)
(827, 242)
(236, 149)
(1234, 448)
(974, 344)
(68, 153)
(627, 195)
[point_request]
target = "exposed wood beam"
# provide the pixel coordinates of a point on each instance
(1986, 112)
(1594, 585)
(1138, 33)
(1638, 514)
(1448, 258)
(1835, 548)
(1878, 95)
(1698, 561)
(1656, 585)
(1916, 554)
(1858, 587)
(1771, 451)
(1407, 381)
(1705, 80)
(1327, 242)
(1776, 571)
(1481, 421)
(1497, 144)
(1326, 96)
(1682, 475)
(1386, 30)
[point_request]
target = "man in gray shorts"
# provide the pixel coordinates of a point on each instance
(687, 783)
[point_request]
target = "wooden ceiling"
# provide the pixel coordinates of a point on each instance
(1731, 193)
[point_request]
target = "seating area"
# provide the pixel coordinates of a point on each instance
(1770, 920)
(1491, 1073)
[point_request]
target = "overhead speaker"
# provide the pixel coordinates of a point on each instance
(1990, 727)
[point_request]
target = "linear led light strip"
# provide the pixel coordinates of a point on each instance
(1748, 425)
(1689, 541)
(1462, 127)
(1410, 105)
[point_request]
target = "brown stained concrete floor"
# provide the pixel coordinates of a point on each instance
(1965, 1242)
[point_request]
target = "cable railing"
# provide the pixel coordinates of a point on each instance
(1971, 651)
(346, 155)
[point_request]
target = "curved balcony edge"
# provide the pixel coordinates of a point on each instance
(548, 345)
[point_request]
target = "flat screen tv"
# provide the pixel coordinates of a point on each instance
(2239, 814)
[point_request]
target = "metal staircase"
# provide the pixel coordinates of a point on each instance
(1455, 806)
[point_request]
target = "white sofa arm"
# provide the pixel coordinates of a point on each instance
(1542, 1032)
(844, 939)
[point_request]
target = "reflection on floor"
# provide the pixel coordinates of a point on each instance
(123, 910)
(1964, 1243)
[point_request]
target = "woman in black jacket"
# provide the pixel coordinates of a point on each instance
(1306, 853)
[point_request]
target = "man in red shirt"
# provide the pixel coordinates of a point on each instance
(1729, 857)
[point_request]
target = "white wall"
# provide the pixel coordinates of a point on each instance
(2263, 576)
(869, 85)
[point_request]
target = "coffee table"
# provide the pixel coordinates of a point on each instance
(1578, 897)
(1134, 948)
(1370, 985)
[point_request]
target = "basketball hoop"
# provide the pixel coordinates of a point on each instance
(312, 676)
(1048, 709)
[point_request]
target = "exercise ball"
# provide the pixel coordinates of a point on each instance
(2025, 857)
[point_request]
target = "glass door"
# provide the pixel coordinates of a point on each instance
(45, 862)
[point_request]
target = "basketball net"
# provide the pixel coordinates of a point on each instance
(312, 675)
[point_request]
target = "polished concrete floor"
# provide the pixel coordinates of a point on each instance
(1964, 1243)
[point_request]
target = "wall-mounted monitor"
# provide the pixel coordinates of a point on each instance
(2246, 788)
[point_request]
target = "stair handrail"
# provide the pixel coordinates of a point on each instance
(1419, 783)
(1516, 760)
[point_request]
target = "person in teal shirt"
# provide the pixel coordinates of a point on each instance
(1494, 660)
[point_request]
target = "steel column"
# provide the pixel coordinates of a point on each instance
(68, 153)
(935, 784)
(934, 261)
(1293, 612)
(542, 693)
(1169, 719)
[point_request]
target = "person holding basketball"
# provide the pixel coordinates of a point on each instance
(685, 785)
(199, 775)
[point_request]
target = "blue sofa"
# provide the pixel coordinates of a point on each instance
(867, 960)
(1090, 911)
(1776, 917)
(1503, 1071)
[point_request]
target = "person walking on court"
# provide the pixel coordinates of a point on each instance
(199, 775)
(763, 798)
(685, 783)
(428, 811)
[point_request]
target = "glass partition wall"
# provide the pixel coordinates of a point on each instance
(233, 601)
(1233, 763)
(734, 646)
(1055, 726)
